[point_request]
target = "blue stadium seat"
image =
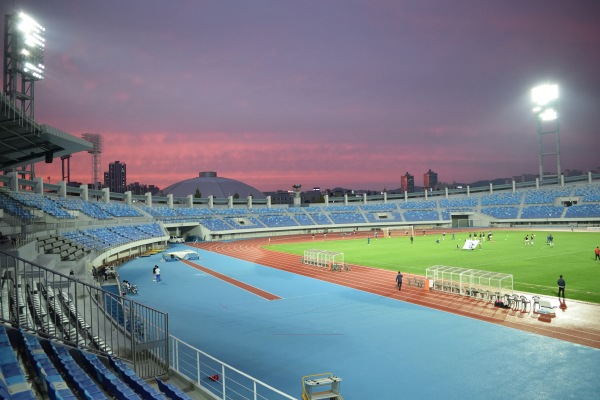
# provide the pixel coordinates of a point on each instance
(109, 381)
(171, 391)
(47, 375)
(421, 215)
(583, 211)
(501, 212)
(84, 385)
(128, 376)
(13, 381)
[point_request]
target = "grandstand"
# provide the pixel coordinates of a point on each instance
(568, 202)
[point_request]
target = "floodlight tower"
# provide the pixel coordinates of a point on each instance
(96, 140)
(23, 59)
(545, 99)
(23, 65)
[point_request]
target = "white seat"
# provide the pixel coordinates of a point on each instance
(546, 307)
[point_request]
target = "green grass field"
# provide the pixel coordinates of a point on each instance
(535, 268)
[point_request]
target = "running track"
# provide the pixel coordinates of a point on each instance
(579, 322)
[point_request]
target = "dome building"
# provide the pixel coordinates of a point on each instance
(209, 184)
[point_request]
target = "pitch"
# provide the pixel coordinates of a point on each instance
(535, 266)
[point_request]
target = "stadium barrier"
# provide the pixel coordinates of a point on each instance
(221, 380)
(82, 315)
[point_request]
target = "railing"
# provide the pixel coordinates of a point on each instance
(82, 314)
(221, 380)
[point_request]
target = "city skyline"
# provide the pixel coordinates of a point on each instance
(326, 94)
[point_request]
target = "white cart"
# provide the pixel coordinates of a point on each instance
(321, 386)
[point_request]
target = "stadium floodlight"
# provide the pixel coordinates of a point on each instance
(544, 94)
(548, 114)
(545, 97)
(545, 100)
(30, 47)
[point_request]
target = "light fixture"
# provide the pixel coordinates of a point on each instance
(544, 94)
(31, 46)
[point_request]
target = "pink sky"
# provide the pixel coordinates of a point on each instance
(325, 94)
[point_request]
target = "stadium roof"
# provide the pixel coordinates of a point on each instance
(23, 141)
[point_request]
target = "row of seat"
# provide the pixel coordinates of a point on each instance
(13, 381)
(105, 238)
(86, 207)
(58, 206)
(50, 311)
(47, 376)
(42, 203)
(54, 371)
(14, 207)
(546, 195)
(512, 300)
(416, 282)
(583, 211)
(82, 383)
(532, 212)
(298, 219)
(589, 193)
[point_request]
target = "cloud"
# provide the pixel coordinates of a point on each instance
(337, 93)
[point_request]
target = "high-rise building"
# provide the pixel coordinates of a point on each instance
(407, 183)
(116, 177)
(430, 180)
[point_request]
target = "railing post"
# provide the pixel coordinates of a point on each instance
(176, 355)
(223, 380)
(16, 291)
(77, 329)
(199, 377)
(132, 334)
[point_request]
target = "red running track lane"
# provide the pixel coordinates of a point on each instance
(251, 289)
(579, 322)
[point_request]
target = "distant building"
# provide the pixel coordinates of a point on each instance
(281, 197)
(430, 180)
(313, 196)
(287, 196)
(338, 192)
(524, 178)
(407, 183)
(573, 172)
(116, 177)
(137, 188)
(209, 184)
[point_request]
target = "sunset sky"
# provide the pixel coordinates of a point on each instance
(324, 93)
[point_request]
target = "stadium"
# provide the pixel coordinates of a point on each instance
(236, 317)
